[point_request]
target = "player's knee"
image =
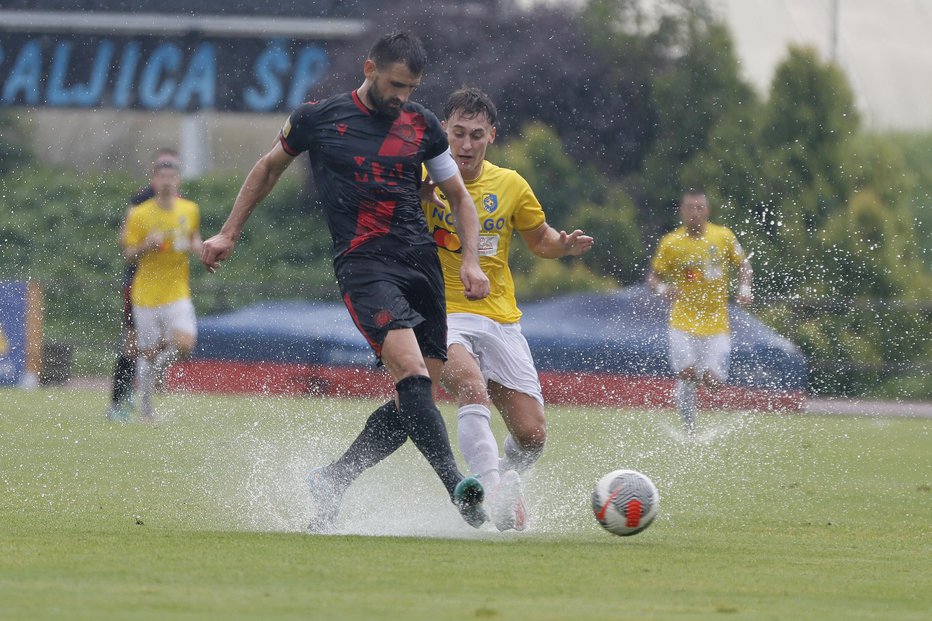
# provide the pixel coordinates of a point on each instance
(472, 391)
(184, 343)
(688, 374)
(532, 438)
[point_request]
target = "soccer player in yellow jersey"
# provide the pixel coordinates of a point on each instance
(488, 358)
(124, 372)
(692, 268)
(159, 235)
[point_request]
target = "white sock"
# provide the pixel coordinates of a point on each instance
(164, 359)
(146, 376)
(516, 458)
(685, 393)
(474, 431)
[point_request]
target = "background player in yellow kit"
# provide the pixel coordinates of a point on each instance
(160, 234)
(692, 267)
(488, 358)
(124, 372)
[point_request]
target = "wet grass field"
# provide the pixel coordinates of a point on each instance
(201, 516)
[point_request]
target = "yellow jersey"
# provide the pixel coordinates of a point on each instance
(505, 203)
(700, 267)
(162, 275)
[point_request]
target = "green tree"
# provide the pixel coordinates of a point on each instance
(573, 196)
(700, 89)
(802, 140)
(869, 252)
(618, 251)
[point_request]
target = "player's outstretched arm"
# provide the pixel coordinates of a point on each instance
(259, 182)
(475, 282)
(548, 243)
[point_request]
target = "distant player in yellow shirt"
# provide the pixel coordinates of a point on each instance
(124, 372)
(160, 234)
(692, 267)
(488, 358)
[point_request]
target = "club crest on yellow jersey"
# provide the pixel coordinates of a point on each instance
(490, 202)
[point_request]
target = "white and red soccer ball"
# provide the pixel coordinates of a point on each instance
(625, 502)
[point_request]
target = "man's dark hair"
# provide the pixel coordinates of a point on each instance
(399, 47)
(164, 157)
(164, 151)
(691, 192)
(470, 102)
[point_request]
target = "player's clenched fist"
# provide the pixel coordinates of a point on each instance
(475, 282)
(216, 249)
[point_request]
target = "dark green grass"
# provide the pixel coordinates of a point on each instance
(200, 517)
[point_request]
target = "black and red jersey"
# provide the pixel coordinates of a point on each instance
(367, 168)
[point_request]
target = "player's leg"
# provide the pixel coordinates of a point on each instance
(124, 371)
(715, 361)
(181, 327)
(381, 436)
(527, 427)
(372, 294)
(463, 378)
(417, 411)
(423, 422)
(514, 387)
(683, 361)
(149, 341)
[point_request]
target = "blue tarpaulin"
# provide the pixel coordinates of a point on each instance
(623, 333)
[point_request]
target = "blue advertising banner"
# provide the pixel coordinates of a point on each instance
(13, 305)
(158, 73)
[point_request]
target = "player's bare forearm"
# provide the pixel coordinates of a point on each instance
(258, 184)
(548, 243)
(475, 282)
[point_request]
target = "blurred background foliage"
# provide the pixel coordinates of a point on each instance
(608, 127)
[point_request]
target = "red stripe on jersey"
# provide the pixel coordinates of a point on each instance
(285, 146)
(352, 311)
(405, 135)
(373, 221)
(360, 104)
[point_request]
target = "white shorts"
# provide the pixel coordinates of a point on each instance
(705, 353)
(501, 350)
(157, 324)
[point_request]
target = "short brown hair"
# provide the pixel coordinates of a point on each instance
(470, 102)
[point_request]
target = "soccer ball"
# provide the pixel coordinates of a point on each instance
(625, 502)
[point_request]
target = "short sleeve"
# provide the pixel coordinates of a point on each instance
(296, 134)
(735, 251)
(529, 214)
(195, 218)
(661, 261)
(437, 138)
(134, 232)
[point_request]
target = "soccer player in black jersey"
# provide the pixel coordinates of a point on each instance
(366, 149)
(124, 371)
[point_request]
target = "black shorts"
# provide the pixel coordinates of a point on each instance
(400, 290)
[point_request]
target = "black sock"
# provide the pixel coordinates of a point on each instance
(123, 374)
(424, 424)
(381, 436)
